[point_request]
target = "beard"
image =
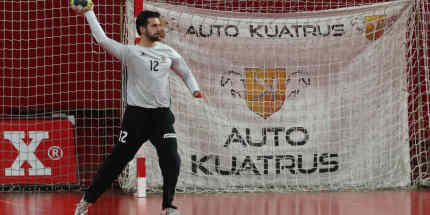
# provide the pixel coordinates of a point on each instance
(153, 38)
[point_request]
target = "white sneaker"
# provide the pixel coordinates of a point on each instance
(82, 207)
(170, 211)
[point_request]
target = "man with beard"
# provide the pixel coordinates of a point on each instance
(148, 115)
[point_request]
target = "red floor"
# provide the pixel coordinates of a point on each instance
(332, 203)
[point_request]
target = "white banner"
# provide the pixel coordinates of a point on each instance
(307, 99)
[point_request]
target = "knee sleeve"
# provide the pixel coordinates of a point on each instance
(171, 150)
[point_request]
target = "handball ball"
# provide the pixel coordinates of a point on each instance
(81, 5)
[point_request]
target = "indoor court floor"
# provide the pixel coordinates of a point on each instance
(301, 203)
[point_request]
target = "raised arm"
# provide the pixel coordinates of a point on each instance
(115, 48)
(181, 68)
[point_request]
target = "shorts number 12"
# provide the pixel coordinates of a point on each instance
(122, 136)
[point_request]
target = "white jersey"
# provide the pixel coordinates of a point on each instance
(148, 69)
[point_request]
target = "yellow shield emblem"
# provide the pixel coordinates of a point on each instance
(374, 26)
(265, 90)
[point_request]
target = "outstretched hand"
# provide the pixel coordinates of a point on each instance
(198, 94)
(81, 6)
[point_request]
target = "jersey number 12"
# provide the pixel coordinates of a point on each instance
(154, 65)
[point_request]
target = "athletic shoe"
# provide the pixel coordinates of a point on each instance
(170, 211)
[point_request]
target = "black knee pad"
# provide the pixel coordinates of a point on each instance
(171, 146)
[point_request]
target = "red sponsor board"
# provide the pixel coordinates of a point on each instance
(37, 152)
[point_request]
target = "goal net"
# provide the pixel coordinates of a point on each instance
(300, 95)
(60, 100)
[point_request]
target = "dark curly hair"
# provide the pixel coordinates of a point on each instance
(142, 18)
